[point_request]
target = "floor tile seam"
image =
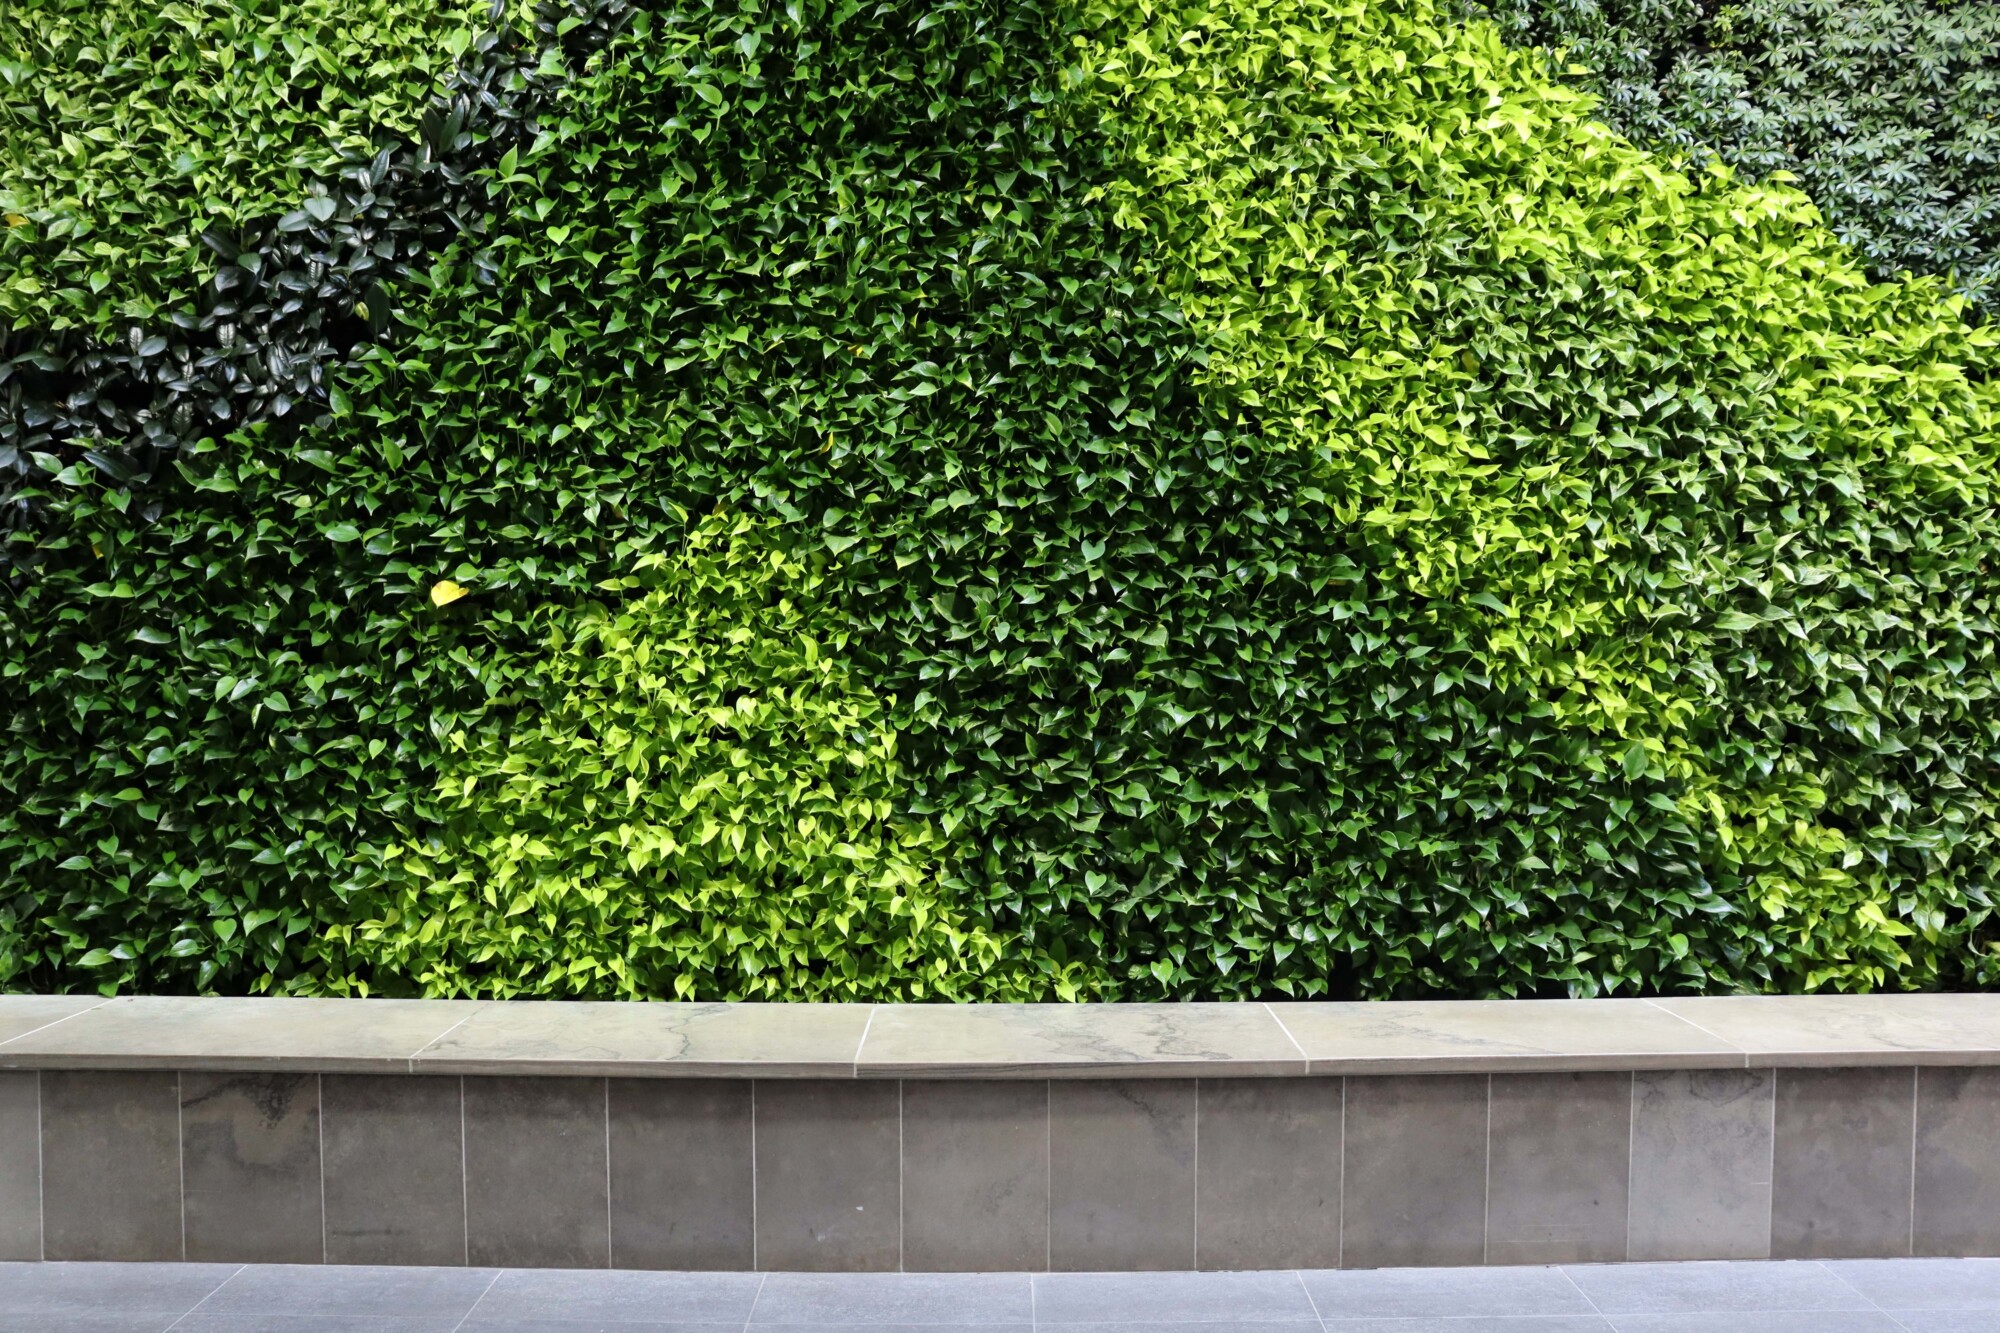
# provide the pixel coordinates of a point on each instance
(478, 1007)
(1704, 1031)
(471, 1309)
(750, 1315)
(1578, 1286)
(55, 1023)
(205, 1299)
(1873, 1304)
(1300, 1278)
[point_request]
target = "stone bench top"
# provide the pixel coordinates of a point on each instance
(653, 1040)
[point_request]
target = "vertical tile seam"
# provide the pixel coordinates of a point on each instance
(610, 1250)
(754, 1265)
(1340, 1227)
(1048, 1176)
(180, 1158)
(1771, 1174)
(464, 1182)
(1916, 1077)
(1631, 1147)
(41, 1177)
(1197, 1175)
(319, 1094)
(900, 1226)
(1486, 1204)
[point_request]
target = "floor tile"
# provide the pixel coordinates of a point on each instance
(340, 1290)
(1112, 1297)
(1946, 1321)
(1798, 1321)
(1713, 1288)
(894, 1298)
(588, 1326)
(105, 1289)
(1435, 1292)
(1186, 1326)
(101, 1323)
(1532, 1323)
(898, 1328)
(203, 1322)
(585, 1294)
(1924, 1284)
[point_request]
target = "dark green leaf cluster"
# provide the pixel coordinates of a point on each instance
(1886, 112)
(1015, 499)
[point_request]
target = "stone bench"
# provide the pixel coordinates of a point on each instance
(1001, 1137)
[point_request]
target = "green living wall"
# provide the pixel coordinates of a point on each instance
(1099, 499)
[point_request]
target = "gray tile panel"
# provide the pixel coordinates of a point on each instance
(394, 1169)
(1417, 1292)
(1924, 1284)
(895, 1298)
(975, 1176)
(682, 1193)
(1957, 1198)
(828, 1173)
(1122, 1174)
(1561, 1150)
(240, 1034)
(111, 1165)
(1850, 1030)
(1268, 1175)
(1076, 1041)
(1841, 1163)
(1489, 1036)
(641, 1039)
(1414, 1171)
(20, 1166)
(250, 1173)
(1618, 1290)
(669, 1298)
(1079, 1298)
(535, 1189)
(1701, 1164)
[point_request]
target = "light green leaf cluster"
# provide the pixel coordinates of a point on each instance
(690, 796)
(127, 128)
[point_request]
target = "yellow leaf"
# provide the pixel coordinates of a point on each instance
(16, 220)
(444, 592)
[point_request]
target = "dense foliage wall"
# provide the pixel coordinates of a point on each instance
(1000, 501)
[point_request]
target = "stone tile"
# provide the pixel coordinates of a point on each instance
(1496, 1036)
(535, 1193)
(395, 1169)
(357, 1290)
(23, 1014)
(617, 1297)
(1797, 1321)
(1618, 1290)
(1481, 1324)
(240, 1034)
(1188, 1326)
(1076, 1040)
(899, 1328)
(1944, 1321)
(1081, 1298)
(51, 1291)
(250, 1175)
(590, 1326)
(104, 1323)
(1958, 1162)
(681, 1174)
(111, 1165)
(1414, 1171)
(827, 1176)
(1845, 1031)
(609, 1038)
(296, 1322)
(1268, 1174)
(1701, 1164)
(875, 1299)
(975, 1176)
(20, 1166)
(1560, 1149)
(1121, 1174)
(1409, 1293)
(1925, 1284)
(1840, 1170)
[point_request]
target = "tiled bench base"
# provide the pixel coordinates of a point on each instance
(1064, 1174)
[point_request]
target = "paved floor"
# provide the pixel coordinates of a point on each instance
(1876, 1296)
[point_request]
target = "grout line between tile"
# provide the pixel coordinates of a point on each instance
(1704, 1031)
(477, 1300)
(1486, 1203)
(1631, 1147)
(464, 1182)
(1197, 1175)
(41, 1179)
(1048, 1175)
(1771, 1173)
(180, 1163)
(900, 1226)
(470, 1015)
(1916, 1077)
(206, 1299)
(1564, 1270)
(755, 1296)
(610, 1242)
(1320, 1318)
(1873, 1304)
(64, 1019)
(754, 1265)
(1340, 1233)
(319, 1092)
